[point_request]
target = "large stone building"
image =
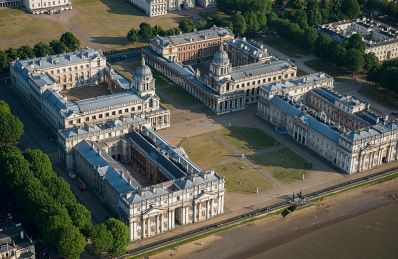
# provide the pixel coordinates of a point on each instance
(381, 39)
(242, 52)
(223, 88)
(57, 89)
(106, 137)
(193, 47)
(162, 7)
(46, 6)
(160, 188)
(14, 242)
(341, 129)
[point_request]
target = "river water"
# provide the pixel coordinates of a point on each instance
(373, 235)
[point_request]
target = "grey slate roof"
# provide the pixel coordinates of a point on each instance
(212, 33)
(321, 128)
(248, 47)
(285, 106)
(109, 100)
(257, 69)
(106, 168)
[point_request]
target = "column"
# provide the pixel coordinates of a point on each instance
(207, 209)
(173, 218)
(199, 211)
(148, 227)
(183, 215)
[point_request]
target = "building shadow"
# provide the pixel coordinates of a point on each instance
(122, 7)
(117, 40)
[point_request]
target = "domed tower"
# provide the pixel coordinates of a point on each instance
(143, 81)
(220, 67)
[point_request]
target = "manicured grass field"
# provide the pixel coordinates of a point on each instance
(99, 24)
(382, 96)
(320, 65)
(284, 46)
(284, 165)
(240, 177)
(246, 140)
(179, 95)
(204, 150)
(160, 80)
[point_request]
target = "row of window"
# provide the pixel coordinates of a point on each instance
(106, 115)
(49, 4)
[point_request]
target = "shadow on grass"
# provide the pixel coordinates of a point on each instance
(110, 40)
(283, 164)
(247, 139)
(122, 7)
(331, 69)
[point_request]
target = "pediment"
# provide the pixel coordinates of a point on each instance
(205, 196)
(152, 211)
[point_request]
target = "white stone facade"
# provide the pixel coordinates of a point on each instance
(44, 6)
(40, 83)
(162, 7)
(344, 141)
(381, 39)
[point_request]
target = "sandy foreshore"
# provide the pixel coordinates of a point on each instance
(255, 238)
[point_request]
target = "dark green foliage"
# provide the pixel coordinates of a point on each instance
(132, 35)
(40, 164)
(26, 52)
(81, 217)
(42, 49)
(60, 190)
(58, 47)
(12, 54)
(371, 61)
(350, 8)
(101, 238)
(120, 234)
(11, 129)
(145, 31)
(71, 242)
(253, 26)
(354, 60)
(385, 75)
(4, 63)
(356, 42)
(239, 23)
(70, 40)
(186, 25)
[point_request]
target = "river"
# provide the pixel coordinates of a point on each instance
(367, 236)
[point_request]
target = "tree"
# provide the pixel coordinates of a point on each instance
(40, 164)
(12, 54)
(356, 42)
(240, 26)
(145, 31)
(26, 52)
(4, 107)
(186, 25)
(42, 49)
(132, 35)
(70, 41)
(4, 63)
(314, 17)
(201, 24)
(350, 8)
(354, 60)
(54, 225)
(252, 23)
(262, 20)
(71, 242)
(120, 234)
(58, 47)
(60, 190)
(310, 36)
(11, 129)
(371, 61)
(81, 217)
(157, 30)
(102, 239)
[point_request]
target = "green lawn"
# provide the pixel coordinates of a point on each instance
(240, 177)
(246, 140)
(179, 95)
(123, 71)
(381, 95)
(287, 47)
(284, 165)
(160, 80)
(320, 65)
(204, 150)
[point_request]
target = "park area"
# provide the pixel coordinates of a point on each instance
(101, 24)
(249, 159)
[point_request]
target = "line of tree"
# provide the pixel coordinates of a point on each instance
(146, 32)
(349, 53)
(386, 6)
(47, 200)
(385, 75)
(67, 42)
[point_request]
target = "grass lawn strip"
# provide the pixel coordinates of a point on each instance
(240, 177)
(284, 165)
(204, 151)
(246, 140)
(179, 95)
